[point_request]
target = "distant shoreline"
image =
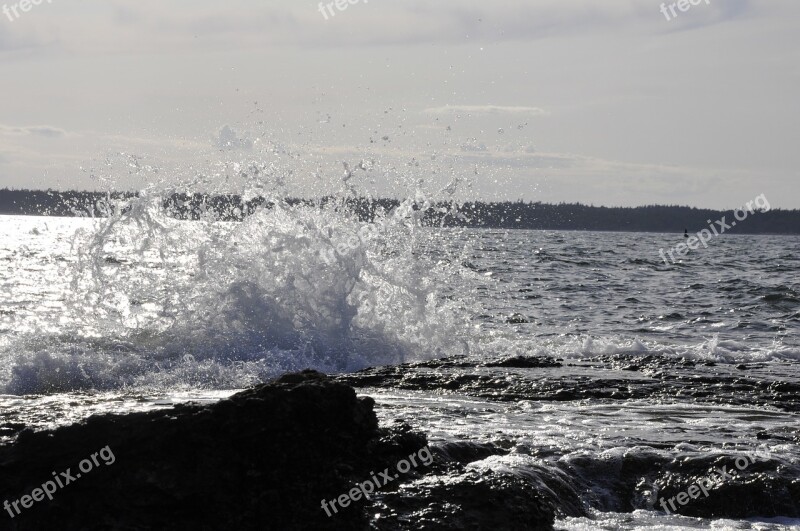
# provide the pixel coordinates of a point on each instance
(659, 219)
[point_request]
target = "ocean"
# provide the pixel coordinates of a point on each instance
(579, 361)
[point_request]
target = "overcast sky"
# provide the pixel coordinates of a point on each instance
(603, 102)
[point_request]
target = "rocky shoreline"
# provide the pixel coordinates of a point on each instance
(266, 458)
(643, 476)
(263, 459)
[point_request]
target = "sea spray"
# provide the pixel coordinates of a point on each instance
(156, 301)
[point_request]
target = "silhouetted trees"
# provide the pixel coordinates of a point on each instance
(651, 218)
(53, 203)
(506, 215)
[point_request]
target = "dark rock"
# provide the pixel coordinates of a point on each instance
(262, 459)
(524, 362)
(11, 428)
(649, 480)
(756, 487)
(474, 502)
(626, 376)
(468, 452)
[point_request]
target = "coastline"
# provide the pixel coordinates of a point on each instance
(270, 456)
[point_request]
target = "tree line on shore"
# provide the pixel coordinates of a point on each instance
(477, 214)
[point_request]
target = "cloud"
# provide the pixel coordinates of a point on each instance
(122, 26)
(46, 131)
(486, 109)
(109, 26)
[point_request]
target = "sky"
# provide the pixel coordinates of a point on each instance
(612, 102)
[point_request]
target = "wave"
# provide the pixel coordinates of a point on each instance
(156, 302)
(583, 346)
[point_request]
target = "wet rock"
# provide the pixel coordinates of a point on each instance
(753, 487)
(468, 452)
(474, 501)
(620, 377)
(262, 459)
(649, 480)
(524, 362)
(11, 428)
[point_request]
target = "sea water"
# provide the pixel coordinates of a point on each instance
(142, 310)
